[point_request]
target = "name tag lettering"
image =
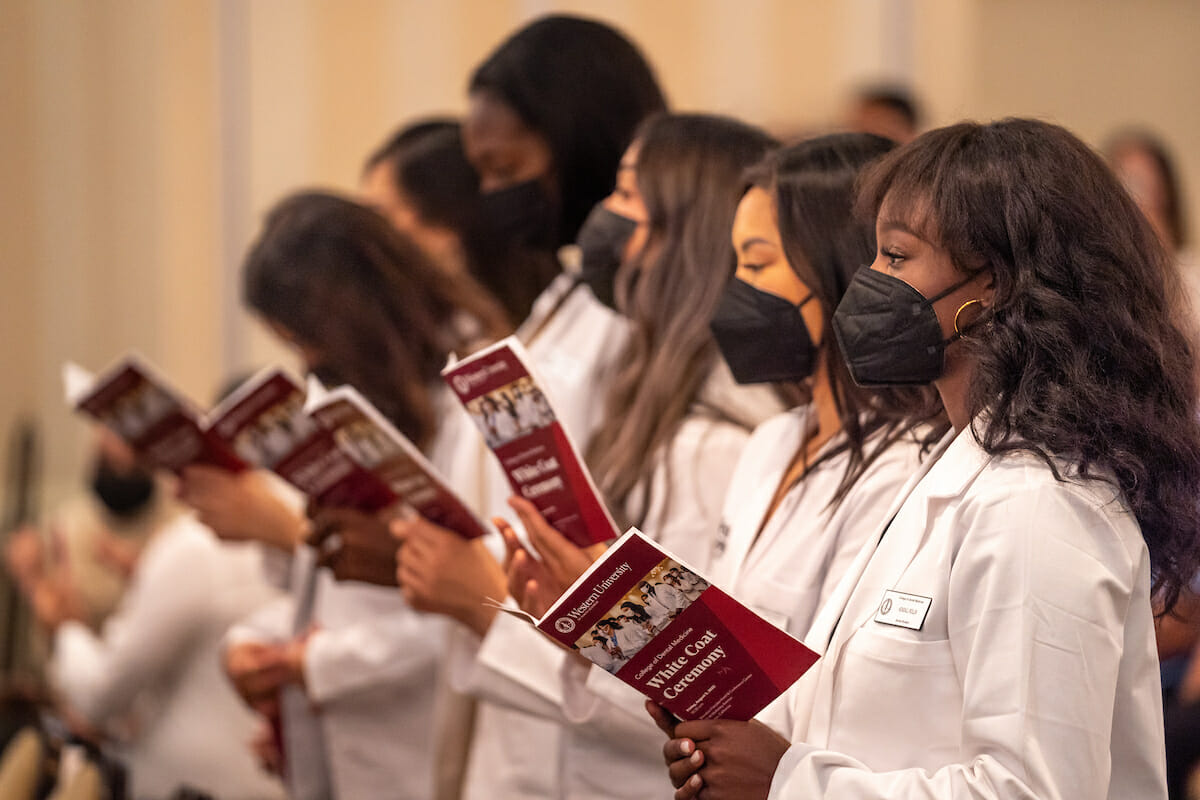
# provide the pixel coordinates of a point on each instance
(903, 610)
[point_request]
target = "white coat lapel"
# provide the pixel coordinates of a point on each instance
(822, 635)
(744, 524)
(945, 476)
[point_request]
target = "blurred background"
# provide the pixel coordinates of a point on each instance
(142, 139)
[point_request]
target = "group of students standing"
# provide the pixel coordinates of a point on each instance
(819, 373)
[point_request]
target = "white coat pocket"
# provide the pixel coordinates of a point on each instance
(906, 687)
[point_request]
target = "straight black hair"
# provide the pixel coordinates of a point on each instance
(583, 86)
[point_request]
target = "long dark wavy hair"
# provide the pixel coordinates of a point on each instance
(689, 173)
(339, 278)
(1080, 358)
(825, 243)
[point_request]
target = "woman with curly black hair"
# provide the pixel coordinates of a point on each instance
(996, 639)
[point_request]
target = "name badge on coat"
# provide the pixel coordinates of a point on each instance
(903, 610)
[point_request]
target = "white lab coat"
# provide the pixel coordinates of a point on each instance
(785, 567)
(1034, 673)
(573, 341)
(371, 670)
(157, 660)
(611, 749)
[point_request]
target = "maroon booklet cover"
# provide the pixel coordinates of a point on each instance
(268, 426)
(650, 620)
(162, 427)
(362, 431)
(500, 390)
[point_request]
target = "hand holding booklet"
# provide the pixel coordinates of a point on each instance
(334, 446)
(659, 626)
(509, 404)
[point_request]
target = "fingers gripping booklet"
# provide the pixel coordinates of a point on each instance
(659, 626)
(509, 404)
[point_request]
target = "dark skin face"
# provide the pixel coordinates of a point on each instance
(502, 148)
(906, 253)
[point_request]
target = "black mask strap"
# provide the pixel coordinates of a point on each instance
(946, 293)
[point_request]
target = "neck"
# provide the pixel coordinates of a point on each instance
(828, 421)
(953, 387)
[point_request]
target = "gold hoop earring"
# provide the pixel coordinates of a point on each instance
(957, 329)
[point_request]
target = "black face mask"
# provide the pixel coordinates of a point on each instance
(522, 214)
(762, 336)
(889, 332)
(123, 492)
(602, 241)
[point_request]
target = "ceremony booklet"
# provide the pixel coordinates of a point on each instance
(363, 431)
(508, 403)
(650, 620)
(164, 428)
(265, 421)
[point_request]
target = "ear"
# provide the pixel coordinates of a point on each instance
(987, 288)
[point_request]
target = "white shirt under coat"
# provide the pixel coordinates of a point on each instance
(784, 567)
(158, 660)
(1034, 674)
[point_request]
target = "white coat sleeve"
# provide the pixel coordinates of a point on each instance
(271, 623)
(1038, 606)
(514, 666)
(392, 648)
(165, 610)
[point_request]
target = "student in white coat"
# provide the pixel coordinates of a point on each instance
(674, 422)
(365, 307)
(995, 638)
(546, 149)
(152, 676)
(813, 482)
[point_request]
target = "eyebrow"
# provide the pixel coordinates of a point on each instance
(755, 240)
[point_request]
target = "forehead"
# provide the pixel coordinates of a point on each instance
(756, 217)
(492, 124)
(908, 212)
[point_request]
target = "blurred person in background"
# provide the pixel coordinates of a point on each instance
(890, 111)
(148, 681)
(421, 181)
(1147, 169)
(88, 548)
(364, 306)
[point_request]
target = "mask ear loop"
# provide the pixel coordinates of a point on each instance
(957, 329)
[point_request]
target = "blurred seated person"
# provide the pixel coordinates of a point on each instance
(1144, 164)
(149, 683)
(886, 110)
(92, 540)
(420, 181)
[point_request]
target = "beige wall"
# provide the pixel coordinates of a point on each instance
(144, 138)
